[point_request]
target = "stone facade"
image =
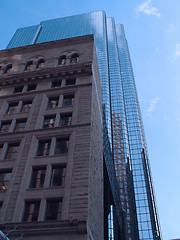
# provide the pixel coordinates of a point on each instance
(51, 141)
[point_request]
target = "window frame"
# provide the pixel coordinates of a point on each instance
(54, 182)
(40, 63)
(33, 86)
(24, 103)
(29, 65)
(11, 145)
(62, 60)
(18, 88)
(19, 121)
(51, 105)
(1, 148)
(74, 58)
(8, 68)
(56, 211)
(37, 179)
(43, 151)
(3, 181)
(48, 125)
(13, 110)
(63, 146)
(68, 100)
(70, 81)
(64, 122)
(5, 123)
(56, 83)
(27, 211)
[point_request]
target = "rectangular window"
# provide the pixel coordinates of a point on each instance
(68, 100)
(20, 125)
(12, 108)
(26, 106)
(12, 151)
(49, 121)
(5, 126)
(57, 176)
(4, 179)
(53, 102)
(18, 89)
(70, 81)
(38, 176)
(31, 211)
(61, 145)
(43, 148)
(56, 84)
(53, 209)
(1, 203)
(31, 87)
(1, 147)
(65, 119)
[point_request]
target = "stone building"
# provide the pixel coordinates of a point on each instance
(51, 144)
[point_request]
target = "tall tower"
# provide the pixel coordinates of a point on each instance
(121, 111)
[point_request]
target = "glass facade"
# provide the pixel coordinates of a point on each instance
(125, 150)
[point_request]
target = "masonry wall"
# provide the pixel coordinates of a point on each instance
(82, 190)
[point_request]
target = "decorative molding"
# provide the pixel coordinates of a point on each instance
(60, 71)
(35, 228)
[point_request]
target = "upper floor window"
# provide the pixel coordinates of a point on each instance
(62, 60)
(31, 87)
(40, 63)
(29, 65)
(53, 102)
(18, 89)
(31, 211)
(1, 148)
(44, 148)
(53, 209)
(12, 108)
(70, 81)
(4, 179)
(61, 145)
(1, 203)
(68, 100)
(56, 84)
(74, 58)
(57, 176)
(20, 125)
(12, 151)
(66, 119)
(26, 106)
(8, 68)
(49, 121)
(38, 176)
(5, 126)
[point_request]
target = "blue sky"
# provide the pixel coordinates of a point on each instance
(153, 31)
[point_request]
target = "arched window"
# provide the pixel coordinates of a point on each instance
(8, 68)
(40, 63)
(29, 65)
(74, 58)
(62, 60)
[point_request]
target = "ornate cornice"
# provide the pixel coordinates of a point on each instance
(47, 73)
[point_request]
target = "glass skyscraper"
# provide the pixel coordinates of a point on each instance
(122, 117)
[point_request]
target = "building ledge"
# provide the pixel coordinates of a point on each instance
(46, 227)
(47, 73)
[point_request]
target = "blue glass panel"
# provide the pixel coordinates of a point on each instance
(24, 36)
